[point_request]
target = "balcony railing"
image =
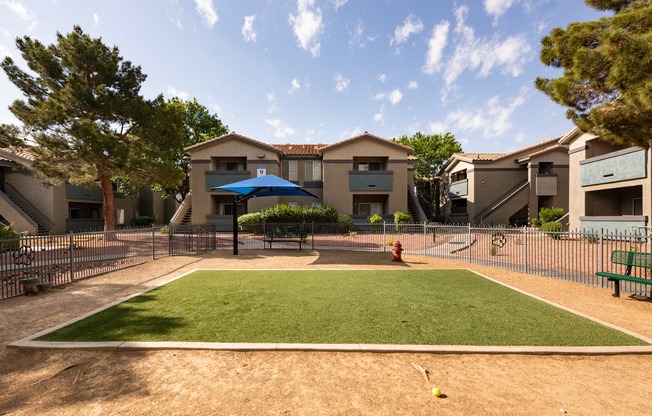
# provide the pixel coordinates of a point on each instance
(460, 188)
(218, 178)
(613, 224)
(622, 165)
(371, 180)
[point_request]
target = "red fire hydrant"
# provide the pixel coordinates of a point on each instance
(397, 249)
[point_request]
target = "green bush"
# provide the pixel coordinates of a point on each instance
(282, 214)
(247, 221)
(11, 238)
(324, 214)
(536, 222)
(402, 218)
(552, 229)
(346, 221)
(550, 214)
(143, 221)
(375, 219)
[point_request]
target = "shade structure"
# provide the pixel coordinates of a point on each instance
(266, 185)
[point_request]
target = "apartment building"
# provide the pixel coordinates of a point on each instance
(359, 176)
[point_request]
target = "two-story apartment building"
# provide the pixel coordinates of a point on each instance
(610, 185)
(506, 188)
(358, 176)
(34, 207)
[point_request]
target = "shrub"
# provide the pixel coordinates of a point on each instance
(375, 219)
(552, 229)
(402, 218)
(536, 222)
(11, 237)
(550, 214)
(346, 221)
(143, 221)
(247, 221)
(324, 214)
(282, 213)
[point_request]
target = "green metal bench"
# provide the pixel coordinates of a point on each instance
(629, 259)
(285, 237)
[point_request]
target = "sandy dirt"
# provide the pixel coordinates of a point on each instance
(182, 382)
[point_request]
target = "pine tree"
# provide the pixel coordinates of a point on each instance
(91, 126)
(607, 80)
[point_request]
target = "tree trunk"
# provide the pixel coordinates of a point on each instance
(108, 205)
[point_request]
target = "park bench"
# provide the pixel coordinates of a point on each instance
(285, 237)
(629, 259)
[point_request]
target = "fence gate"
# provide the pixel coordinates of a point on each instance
(191, 239)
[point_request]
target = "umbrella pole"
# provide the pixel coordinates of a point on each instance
(235, 225)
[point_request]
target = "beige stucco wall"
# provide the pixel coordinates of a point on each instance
(586, 146)
(202, 204)
(338, 162)
(560, 170)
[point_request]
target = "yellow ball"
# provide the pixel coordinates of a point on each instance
(436, 392)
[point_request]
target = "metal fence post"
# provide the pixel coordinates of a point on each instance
(384, 238)
(525, 249)
(469, 242)
(153, 244)
(601, 259)
(312, 231)
(424, 238)
(71, 246)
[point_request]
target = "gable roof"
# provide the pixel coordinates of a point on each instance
(21, 156)
(230, 136)
(366, 135)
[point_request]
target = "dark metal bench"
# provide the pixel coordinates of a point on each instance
(629, 259)
(285, 237)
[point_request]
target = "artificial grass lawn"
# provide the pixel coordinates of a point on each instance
(436, 307)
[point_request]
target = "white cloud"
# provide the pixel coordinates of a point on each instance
(436, 46)
(382, 77)
(295, 85)
(412, 85)
(347, 134)
(497, 8)
(339, 3)
(248, 31)
(271, 99)
(96, 19)
(281, 129)
(207, 12)
(411, 25)
(22, 12)
(341, 83)
(379, 96)
(395, 96)
(307, 26)
(484, 54)
(181, 94)
(379, 117)
(356, 38)
(493, 119)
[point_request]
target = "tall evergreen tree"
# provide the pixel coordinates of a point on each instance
(84, 111)
(607, 80)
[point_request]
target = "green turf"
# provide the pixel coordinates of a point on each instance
(437, 307)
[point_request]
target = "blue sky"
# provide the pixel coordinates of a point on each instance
(320, 71)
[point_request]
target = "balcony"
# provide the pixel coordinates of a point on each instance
(218, 178)
(87, 194)
(546, 185)
(371, 180)
(622, 165)
(626, 224)
(460, 188)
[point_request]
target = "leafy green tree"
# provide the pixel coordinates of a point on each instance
(607, 79)
(198, 126)
(91, 126)
(433, 151)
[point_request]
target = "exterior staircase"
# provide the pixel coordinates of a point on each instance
(43, 224)
(414, 208)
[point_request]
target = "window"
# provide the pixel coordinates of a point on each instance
(231, 166)
(370, 208)
(312, 204)
(458, 176)
(313, 170)
(120, 216)
(290, 170)
(365, 166)
(545, 168)
(458, 206)
(74, 213)
(227, 209)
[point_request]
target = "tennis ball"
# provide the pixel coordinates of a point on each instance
(436, 392)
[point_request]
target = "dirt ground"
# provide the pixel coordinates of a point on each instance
(182, 382)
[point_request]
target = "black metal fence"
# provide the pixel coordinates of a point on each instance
(30, 263)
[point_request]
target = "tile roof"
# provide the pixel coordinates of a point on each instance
(478, 157)
(368, 135)
(16, 155)
(228, 136)
(299, 149)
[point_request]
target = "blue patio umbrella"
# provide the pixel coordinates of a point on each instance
(266, 185)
